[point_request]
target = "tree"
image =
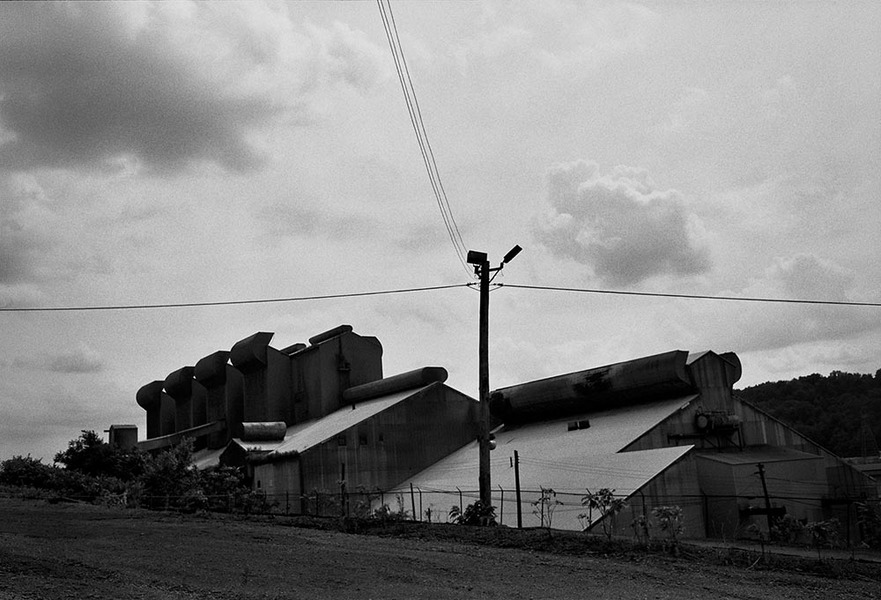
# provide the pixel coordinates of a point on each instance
(170, 478)
(90, 455)
(831, 411)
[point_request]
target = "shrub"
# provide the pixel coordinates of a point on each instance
(474, 514)
(869, 519)
(787, 529)
(24, 471)
(170, 480)
(605, 502)
(545, 506)
(670, 520)
(823, 534)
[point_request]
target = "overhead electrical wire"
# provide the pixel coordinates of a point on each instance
(409, 92)
(469, 285)
(690, 296)
(228, 302)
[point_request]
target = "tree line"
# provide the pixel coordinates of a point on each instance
(91, 470)
(841, 411)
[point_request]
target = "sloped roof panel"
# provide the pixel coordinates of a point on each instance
(204, 459)
(569, 462)
(302, 436)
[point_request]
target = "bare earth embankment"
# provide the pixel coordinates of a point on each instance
(55, 551)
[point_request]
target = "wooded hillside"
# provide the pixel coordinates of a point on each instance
(837, 411)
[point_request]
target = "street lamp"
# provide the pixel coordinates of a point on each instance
(483, 270)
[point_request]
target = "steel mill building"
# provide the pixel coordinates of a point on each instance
(664, 430)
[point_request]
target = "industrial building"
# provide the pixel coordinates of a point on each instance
(660, 430)
(309, 418)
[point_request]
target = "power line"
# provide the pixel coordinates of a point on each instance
(469, 285)
(415, 114)
(228, 302)
(691, 296)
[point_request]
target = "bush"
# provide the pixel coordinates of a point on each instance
(869, 519)
(670, 520)
(604, 502)
(474, 514)
(170, 480)
(95, 471)
(24, 471)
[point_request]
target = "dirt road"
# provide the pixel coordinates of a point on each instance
(78, 551)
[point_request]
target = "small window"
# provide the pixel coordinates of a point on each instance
(341, 440)
(380, 438)
(362, 440)
(576, 425)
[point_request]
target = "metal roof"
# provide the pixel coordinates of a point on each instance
(569, 462)
(203, 459)
(302, 436)
(753, 454)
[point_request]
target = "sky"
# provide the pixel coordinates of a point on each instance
(180, 152)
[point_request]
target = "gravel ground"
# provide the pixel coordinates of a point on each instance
(55, 551)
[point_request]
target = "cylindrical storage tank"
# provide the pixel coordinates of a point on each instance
(149, 397)
(263, 432)
(644, 379)
(396, 383)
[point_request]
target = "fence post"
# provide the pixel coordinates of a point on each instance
(460, 501)
(517, 489)
(501, 505)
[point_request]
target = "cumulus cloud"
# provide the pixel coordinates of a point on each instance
(620, 224)
(286, 218)
(82, 360)
(159, 85)
(24, 213)
(808, 276)
(73, 361)
(775, 326)
(565, 36)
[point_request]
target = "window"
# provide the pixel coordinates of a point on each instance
(576, 425)
(341, 440)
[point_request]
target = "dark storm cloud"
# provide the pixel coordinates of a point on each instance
(80, 87)
(620, 225)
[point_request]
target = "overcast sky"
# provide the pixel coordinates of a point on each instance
(186, 152)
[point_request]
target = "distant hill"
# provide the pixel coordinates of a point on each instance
(838, 411)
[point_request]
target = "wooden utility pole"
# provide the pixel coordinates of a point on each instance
(483, 385)
(482, 270)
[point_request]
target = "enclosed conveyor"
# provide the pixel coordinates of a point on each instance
(396, 383)
(646, 379)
